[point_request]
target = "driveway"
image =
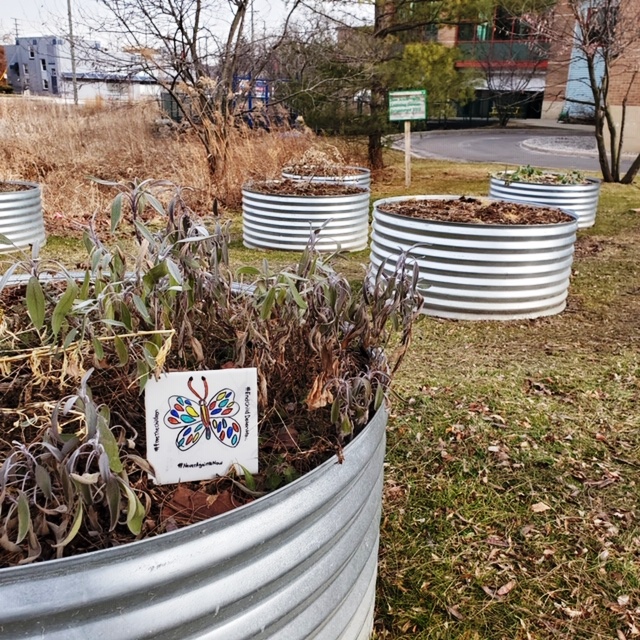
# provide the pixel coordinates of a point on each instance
(539, 147)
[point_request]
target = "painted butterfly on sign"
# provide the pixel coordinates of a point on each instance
(204, 415)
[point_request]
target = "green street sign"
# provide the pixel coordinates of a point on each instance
(408, 105)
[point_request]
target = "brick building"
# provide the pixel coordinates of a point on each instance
(568, 92)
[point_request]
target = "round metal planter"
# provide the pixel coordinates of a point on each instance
(285, 222)
(298, 563)
(479, 271)
(21, 218)
(358, 176)
(580, 199)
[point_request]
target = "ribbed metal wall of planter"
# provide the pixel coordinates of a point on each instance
(21, 216)
(476, 271)
(580, 199)
(284, 222)
(298, 563)
(358, 176)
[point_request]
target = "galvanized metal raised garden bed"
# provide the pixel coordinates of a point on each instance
(479, 271)
(21, 219)
(358, 176)
(298, 563)
(285, 221)
(580, 199)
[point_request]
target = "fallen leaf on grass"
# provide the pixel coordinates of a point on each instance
(539, 507)
(505, 588)
(623, 601)
(499, 594)
(454, 612)
(497, 541)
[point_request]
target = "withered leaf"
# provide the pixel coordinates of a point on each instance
(505, 588)
(539, 507)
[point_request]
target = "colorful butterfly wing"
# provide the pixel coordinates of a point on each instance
(223, 405)
(189, 436)
(182, 412)
(227, 431)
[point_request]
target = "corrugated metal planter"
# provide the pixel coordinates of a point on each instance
(479, 271)
(285, 221)
(298, 563)
(580, 199)
(359, 176)
(21, 215)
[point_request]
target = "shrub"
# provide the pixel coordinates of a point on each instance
(77, 349)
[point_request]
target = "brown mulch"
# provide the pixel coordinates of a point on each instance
(324, 171)
(295, 188)
(7, 187)
(474, 211)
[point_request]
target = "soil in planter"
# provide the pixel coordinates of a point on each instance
(571, 178)
(8, 187)
(321, 171)
(474, 211)
(296, 188)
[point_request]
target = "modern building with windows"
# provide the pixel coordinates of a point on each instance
(42, 66)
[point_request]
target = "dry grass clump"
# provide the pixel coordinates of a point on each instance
(61, 146)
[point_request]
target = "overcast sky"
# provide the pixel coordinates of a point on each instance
(49, 17)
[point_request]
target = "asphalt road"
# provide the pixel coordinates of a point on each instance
(504, 146)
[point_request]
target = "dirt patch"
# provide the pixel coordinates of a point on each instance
(587, 246)
(8, 187)
(474, 211)
(294, 188)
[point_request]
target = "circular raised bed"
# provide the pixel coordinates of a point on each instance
(272, 221)
(580, 199)
(479, 271)
(297, 563)
(359, 176)
(21, 219)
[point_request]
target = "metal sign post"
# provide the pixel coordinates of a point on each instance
(407, 106)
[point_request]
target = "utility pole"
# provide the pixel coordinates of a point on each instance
(15, 20)
(252, 25)
(72, 44)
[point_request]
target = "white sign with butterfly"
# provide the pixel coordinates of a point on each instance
(202, 423)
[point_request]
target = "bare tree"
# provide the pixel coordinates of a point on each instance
(604, 37)
(193, 49)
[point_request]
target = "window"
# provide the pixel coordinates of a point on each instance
(52, 70)
(466, 31)
(43, 64)
(32, 53)
(45, 84)
(503, 26)
(25, 69)
(470, 32)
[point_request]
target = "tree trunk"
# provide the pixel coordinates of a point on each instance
(632, 172)
(375, 151)
(376, 126)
